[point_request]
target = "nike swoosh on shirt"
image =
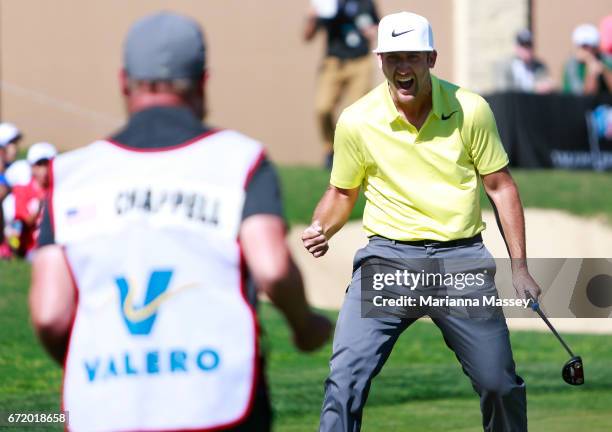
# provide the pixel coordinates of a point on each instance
(394, 34)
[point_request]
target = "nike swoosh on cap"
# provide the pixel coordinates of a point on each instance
(394, 34)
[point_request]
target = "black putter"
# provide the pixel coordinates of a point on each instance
(573, 370)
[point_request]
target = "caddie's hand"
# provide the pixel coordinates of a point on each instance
(315, 332)
(524, 283)
(314, 240)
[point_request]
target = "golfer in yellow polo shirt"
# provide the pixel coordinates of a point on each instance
(420, 147)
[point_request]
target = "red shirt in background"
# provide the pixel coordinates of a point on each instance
(28, 206)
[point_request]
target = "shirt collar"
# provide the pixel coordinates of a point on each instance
(438, 104)
(160, 127)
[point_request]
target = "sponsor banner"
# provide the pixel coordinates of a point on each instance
(556, 130)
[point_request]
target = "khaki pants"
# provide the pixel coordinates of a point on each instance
(345, 80)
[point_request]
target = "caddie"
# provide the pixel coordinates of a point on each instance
(152, 244)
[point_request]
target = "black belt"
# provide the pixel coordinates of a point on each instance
(437, 243)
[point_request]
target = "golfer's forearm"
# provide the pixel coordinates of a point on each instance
(512, 221)
(504, 196)
(334, 209)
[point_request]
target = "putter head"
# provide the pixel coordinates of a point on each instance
(573, 371)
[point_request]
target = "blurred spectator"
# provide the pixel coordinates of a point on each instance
(18, 174)
(524, 72)
(605, 44)
(9, 142)
(9, 138)
(12, 229)
(27, 199)
(346, 71)
(39, 157)
(605, 31)
(586, 72)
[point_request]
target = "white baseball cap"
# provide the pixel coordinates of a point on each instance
(325, 8)
(19, 173)
(586, 34)
(40, 151)
(404, 31)
(8, 132)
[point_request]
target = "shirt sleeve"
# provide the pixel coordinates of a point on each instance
(46, 235)
(263, 194)
(487, 150)
(348, 169)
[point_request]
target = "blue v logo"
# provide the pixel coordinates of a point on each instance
(140, 320)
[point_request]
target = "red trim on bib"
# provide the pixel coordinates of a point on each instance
(256, 329)
(253, 168)
(163, 149)
(50, 195)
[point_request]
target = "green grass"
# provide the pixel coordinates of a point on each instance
(421, 388)
(30, 381)
(580, 192)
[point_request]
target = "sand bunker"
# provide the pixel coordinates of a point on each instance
(550, 234)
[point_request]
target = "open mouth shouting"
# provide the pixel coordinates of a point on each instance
(405, 83)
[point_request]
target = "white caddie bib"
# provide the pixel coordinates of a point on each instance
(163, 338)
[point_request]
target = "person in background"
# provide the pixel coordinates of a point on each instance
(524, 72)
(9, 140)
(10, 136)
(346, 71)
(585, 72)
(605, 43)
(29, 199)
(17, 175)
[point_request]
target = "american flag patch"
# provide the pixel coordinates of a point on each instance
(81, 214)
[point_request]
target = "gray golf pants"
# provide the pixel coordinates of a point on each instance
(362, 345)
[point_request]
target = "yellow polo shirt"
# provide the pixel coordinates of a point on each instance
(419, 184)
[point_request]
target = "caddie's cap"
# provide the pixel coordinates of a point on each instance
(164, 46)
(404, 31)
(8, 133)
(41, 151)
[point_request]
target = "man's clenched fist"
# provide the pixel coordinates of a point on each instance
(314, 240)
